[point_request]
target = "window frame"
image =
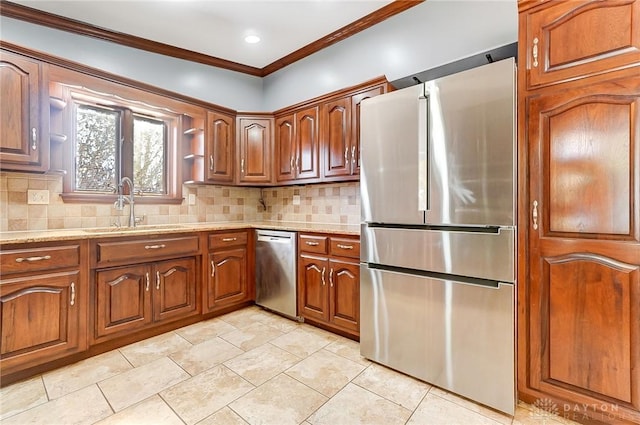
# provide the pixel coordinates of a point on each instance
(129, 110)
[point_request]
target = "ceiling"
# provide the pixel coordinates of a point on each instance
(208, 30)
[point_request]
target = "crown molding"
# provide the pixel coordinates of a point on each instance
(35, 16)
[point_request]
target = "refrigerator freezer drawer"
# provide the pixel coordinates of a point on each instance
(457, 336)
(473, 254)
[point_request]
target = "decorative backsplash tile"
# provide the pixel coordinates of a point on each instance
(325, 203)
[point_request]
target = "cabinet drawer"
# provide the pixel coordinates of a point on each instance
(35, 259)
(221, 240)
(315, 244)
(143, 249)
(345, 247)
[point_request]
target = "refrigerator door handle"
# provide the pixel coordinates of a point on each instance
(423, 153)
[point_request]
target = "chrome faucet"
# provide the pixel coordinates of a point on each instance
(119, 204)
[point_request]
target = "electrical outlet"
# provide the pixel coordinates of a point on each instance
(192, 199)
(296, 199)
(37, 197)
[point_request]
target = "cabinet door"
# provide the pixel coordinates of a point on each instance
(312, 287)
(567, 40)
(344, 294)
(356, 100)
(219, 151)
(23, 144)
(285, 147)
(336, 137)
(255, 150)
(583, 306)
(40, 319)
(227, 283)
(174, 294)
(308, 146)
(122, 300)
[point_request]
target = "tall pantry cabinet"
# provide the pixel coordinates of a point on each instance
(579, 208)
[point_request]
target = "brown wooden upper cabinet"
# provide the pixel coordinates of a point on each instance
(559, 50)
(220, 147)
(340, 135)
(24, 118)
(297, 146)
(255, 138)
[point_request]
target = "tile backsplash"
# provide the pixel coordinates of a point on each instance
(323, 203)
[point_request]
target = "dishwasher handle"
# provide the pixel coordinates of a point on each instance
(274, 239)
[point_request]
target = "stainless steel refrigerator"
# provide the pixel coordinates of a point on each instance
(438, 186)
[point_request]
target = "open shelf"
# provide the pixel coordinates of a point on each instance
(57, 103)
(58, 138)
(193, 130)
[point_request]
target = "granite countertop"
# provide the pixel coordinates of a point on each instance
(93, 233)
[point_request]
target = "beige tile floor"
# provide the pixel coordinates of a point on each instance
(246, 367)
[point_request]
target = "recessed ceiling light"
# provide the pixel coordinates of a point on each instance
(252, 39)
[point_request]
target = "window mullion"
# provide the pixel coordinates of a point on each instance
(126, 146)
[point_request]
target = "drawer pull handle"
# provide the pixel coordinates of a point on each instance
(73, 294)
(312, 243)
(323, 281)
(341, 246)
(148, 283)
(229, 239)
(155, 246)
(535, 52)
(213, 269)
(331, 277)
(157, 280)
(32, 259)
(535, 215)
(34, 139)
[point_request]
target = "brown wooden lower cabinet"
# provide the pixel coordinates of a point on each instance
(43, 304)
(139, 283)
(131, 298)
(227, 281)
(329, 281)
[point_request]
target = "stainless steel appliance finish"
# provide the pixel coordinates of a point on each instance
(438, 186)
(451, 334)
(473, 254)
(443, 150)
(276, 271)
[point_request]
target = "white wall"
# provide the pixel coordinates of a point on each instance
(431, 34)
(220, 86)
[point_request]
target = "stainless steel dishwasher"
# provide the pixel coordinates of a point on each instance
(276, 271)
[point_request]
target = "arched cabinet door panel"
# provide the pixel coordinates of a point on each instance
(575, 39)
(583, 284)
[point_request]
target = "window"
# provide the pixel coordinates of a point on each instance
(112, 138)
